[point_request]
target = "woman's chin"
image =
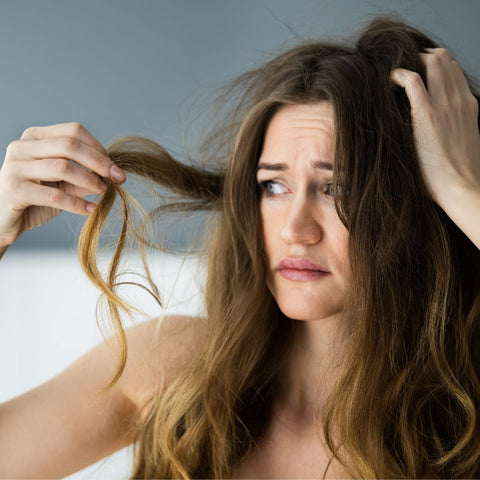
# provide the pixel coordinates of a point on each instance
(307, 313)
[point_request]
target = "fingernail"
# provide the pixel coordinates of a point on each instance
(117, 173)
(91, 207)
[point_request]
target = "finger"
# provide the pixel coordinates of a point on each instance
(68, 148)
(446, 80)
(60, 169)
(440, 75)
(47, 196)
(461, 79)
(70, 189)
(439, 51)
(73, 129)
(414, 87)
(76, 191)
(73, 190)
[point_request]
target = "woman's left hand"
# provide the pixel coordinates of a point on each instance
(445, 126)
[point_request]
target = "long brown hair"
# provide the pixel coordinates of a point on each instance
(407, 400)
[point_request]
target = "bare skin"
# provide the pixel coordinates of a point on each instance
(300, 222)
(63, 425)
(39, 178)
(445, 128)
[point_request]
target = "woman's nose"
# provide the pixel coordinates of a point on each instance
(300, 225)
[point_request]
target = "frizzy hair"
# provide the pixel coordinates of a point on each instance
(407, 400)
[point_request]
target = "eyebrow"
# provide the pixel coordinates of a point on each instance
(281, 167)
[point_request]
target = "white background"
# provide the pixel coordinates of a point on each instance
(48, 320)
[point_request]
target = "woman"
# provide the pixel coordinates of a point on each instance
(341, 337)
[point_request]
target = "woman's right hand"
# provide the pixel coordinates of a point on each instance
(48, 170)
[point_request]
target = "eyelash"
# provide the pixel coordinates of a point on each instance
(264, 187)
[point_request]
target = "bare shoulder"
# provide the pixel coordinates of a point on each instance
(157, 349)
(65, 424)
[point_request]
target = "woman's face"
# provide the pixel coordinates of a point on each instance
(303, 235)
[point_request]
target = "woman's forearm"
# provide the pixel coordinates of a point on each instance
(463, 207)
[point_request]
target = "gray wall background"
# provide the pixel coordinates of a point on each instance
(126, 66)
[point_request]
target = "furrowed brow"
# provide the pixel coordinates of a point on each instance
(281, 167)
(322, 165)
(275, 167)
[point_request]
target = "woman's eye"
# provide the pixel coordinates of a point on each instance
(331, 191)
(271, 187)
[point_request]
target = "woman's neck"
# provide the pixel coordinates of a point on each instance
(312, 367)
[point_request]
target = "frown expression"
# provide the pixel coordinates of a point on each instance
(306, 244)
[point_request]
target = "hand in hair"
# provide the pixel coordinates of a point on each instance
(445, 126)
(49, 170)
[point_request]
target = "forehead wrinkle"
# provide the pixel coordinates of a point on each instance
(307, 117)
(280, 161)
(284, 166)
(304, 132)
(302, 141)
(299, 135)
(311, 152)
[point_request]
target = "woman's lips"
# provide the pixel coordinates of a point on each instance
(301, 269)
(302, 275)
